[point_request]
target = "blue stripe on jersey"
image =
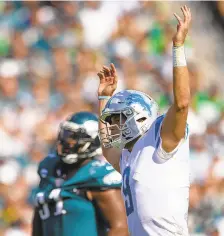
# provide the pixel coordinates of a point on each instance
(186, 131)
(157, 126)
(120, 163)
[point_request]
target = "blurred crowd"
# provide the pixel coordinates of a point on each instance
(220, 8)
(50, 53)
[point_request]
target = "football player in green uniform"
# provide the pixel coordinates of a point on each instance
(78, 194)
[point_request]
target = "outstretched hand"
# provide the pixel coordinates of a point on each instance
(108, 81)
(182, 27)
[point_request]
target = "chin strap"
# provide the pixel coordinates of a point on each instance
(84, 148)
(70, 158)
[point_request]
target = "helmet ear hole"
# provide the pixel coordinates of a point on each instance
(141, 119)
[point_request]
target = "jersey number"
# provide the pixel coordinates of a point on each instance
(45, 211)
(127, 191)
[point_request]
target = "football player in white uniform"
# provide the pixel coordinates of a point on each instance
(150, 151)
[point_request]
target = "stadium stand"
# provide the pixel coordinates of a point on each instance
(49, 55)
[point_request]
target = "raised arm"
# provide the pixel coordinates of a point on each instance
(108, 84)
(175, 121)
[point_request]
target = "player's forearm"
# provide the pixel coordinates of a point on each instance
(102, 104)
(181, 85)
(102, 126)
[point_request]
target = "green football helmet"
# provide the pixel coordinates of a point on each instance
(78, 138)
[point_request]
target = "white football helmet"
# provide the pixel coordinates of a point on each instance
(139, 111)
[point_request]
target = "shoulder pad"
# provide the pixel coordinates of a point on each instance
(98, 163)
(100, 168)
(112, 178)
(104, 173)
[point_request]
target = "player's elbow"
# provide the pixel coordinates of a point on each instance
(182, 100)
(119, 226)
(183, 104)
(119, 230)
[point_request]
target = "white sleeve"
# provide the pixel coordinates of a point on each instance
(161, 153)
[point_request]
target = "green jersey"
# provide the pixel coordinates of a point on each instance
(63, 205)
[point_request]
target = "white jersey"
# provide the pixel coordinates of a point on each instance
(156, 186)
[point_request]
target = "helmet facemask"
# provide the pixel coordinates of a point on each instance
(74, 144)
(130, 126)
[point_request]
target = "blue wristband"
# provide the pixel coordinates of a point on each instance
(103, 97)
